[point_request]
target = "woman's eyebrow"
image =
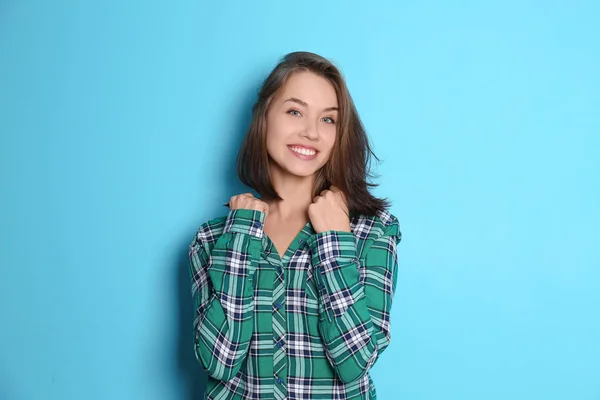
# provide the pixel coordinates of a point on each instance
(295, 100)
(305, 104)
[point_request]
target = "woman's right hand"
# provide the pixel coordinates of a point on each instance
(247, 201)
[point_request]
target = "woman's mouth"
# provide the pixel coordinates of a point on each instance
(303, 153)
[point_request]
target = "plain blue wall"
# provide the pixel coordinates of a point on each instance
(120, 124)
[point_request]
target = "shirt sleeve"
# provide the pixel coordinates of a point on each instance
(223, 292)
(354, 320)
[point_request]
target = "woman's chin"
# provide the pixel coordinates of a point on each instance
(299, 169)
(299, 172)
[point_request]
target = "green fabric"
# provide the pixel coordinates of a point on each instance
(307, 325)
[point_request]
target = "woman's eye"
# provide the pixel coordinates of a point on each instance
(295, 113)
(329, 120)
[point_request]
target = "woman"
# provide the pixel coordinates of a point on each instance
(292, 291)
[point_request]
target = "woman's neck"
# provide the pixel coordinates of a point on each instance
(296, 194)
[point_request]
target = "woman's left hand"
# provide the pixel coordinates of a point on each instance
(329, 211)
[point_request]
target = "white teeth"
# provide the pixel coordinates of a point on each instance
(304, 151)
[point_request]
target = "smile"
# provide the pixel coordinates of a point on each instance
(303, 152)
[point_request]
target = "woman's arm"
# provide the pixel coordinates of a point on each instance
(223, 292)
(355, 319)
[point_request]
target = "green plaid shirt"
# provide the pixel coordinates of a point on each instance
(308, 325)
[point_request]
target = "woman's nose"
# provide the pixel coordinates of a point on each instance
(312, 130)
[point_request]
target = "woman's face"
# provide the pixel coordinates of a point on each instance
(301, 124)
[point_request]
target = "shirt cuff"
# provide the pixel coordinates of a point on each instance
(329, 246)
(249, 222)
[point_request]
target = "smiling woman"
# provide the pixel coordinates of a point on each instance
(293, 290)
(312, 116)
(310, 87)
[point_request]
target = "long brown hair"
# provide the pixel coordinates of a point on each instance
(348, 167)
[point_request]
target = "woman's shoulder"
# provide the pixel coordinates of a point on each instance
(364, 227)
(383, 223)
(210, 231)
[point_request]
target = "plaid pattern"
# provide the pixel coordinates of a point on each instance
(307, 325)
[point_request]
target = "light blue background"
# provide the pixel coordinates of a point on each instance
(120, 123)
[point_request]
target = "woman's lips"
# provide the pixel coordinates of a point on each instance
(303, 153)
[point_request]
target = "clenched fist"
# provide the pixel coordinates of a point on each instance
(247, 201)
(329, 211)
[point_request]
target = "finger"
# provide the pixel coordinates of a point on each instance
(323, 192)
(337, 190)
(316, 198)
(342, 201)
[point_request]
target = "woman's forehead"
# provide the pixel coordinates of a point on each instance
(310, 90)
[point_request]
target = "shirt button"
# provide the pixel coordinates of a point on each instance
(279, 344)
(257, 224)
(278, 305)
(301, 241)
(279, 380)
